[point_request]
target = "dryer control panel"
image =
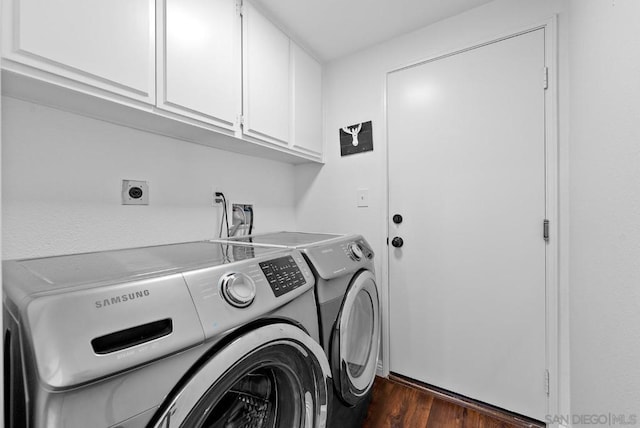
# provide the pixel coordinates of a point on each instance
(341, 257)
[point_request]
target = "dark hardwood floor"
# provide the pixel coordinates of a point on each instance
(398, 403)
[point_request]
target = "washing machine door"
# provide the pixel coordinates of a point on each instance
(274, 376)
(356, 339)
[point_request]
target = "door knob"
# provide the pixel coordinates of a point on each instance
(397, 242)
(397, 218)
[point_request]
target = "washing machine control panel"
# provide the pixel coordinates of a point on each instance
(283, 274)
(234, 294)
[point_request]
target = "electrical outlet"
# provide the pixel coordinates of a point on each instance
(135, 192)
(217, 199)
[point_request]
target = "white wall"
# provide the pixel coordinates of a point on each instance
(605, 207)
(354, 92)
(62, 176)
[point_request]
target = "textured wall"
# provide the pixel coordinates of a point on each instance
(61, 185)
(605, 207)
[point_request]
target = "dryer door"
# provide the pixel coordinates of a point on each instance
(273, 376)
(356, 339)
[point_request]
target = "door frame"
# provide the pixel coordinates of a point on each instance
(552, 213)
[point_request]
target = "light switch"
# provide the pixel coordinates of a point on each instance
(363, 197)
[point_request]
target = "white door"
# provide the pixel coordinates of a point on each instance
(467, 174)
(199, 60)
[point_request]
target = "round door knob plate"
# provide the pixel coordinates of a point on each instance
(397, 242)
(397, 218)
(238, 289)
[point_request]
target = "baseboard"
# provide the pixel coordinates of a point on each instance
(480, 407)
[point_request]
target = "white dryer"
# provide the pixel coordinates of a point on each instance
(186, 335)
(348, 309)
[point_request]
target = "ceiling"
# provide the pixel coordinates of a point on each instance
(336, 28)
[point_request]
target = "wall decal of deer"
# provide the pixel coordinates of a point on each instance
(353, 131)
(356, 138)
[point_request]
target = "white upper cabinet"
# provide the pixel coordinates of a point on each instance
(266, 79)
(105, 44)
(306, 87)
(199, 60)
(189, 69)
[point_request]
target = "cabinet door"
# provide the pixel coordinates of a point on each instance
(306, 120)
(266, 78)
(105, 44)
(199, 71)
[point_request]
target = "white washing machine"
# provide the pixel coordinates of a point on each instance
(348, 309)
(186, 335)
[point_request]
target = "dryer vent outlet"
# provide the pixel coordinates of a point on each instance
(135, 192)
(242, 217)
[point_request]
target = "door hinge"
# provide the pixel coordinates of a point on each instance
(546, 382)
(387, 240)
(545, 78)
(240, 120)
(240, 7)
(545, 229)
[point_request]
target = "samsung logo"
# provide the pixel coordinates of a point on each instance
(121, 299)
